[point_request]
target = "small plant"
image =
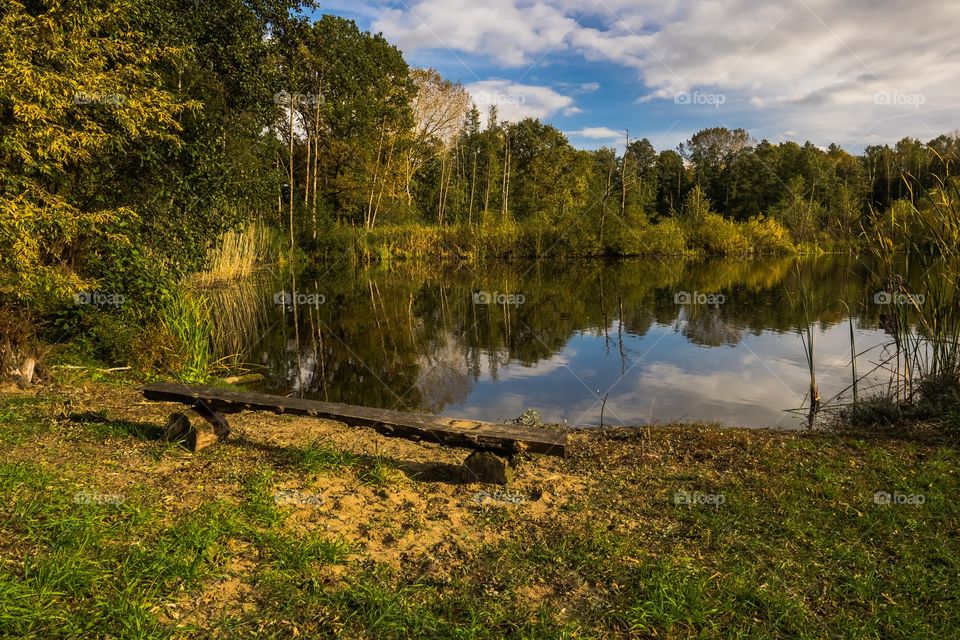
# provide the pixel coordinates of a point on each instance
(320, 456)
(529, 418)
(378, 471)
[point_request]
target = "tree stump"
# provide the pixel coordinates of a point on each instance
(484, 466)
(179, 429)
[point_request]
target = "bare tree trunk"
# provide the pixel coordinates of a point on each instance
(623, 177)
(316, 165)
(306, 176)
(443, 163)
(373, 183)
(473, 184)
(276, 166)
(505, 200)
(486, 191)
(446, 190)
(290, 172)
(316, 159)
(408, 177)
(383, 183)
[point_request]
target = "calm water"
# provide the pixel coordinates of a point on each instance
(557, 337)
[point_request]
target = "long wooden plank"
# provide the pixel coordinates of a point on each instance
(471, 434)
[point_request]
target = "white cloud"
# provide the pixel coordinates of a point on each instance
(821, 67)
(597, 133)
(517, 101)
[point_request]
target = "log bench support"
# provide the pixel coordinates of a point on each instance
(180, 429)
(488, 467)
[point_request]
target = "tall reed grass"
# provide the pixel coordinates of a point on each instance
(186, 317)
(925, 308)
(240, 252)
(918, 248)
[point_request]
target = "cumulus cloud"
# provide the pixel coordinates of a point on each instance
(597, 133)
(517, 101)
(833, 69)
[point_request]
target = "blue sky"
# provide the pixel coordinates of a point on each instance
(854, 72)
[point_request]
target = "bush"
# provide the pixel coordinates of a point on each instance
(767, 236)
(667, 237)
(715, 234)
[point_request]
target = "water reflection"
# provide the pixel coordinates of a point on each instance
(492, 342)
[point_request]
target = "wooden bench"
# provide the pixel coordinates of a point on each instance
(492, 443)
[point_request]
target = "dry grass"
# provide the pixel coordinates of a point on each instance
(239, 254)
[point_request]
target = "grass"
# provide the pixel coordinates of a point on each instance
(240, 252)
(532, 239)
(320, 456)
(797, 548)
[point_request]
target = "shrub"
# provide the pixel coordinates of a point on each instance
(715, 234)
(667, 237)
(767, 236)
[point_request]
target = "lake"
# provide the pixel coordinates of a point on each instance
(626, 343)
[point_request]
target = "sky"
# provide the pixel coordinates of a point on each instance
(853, 72)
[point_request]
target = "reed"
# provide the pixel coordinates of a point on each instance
(807, 338)
(240, 252)
(196, 325)
(918, 247)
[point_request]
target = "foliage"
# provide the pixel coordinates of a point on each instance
(67, 117)
(767, 236)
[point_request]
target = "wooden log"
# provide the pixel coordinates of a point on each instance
(26, 371)
(484, 466)
(179, 429)
(216, 418)
(200, 437)
(472, 434)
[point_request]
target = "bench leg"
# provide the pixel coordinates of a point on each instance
(220, 425)
(179, 429)
(488, 467)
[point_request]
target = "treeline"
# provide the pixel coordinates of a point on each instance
(370, 142)
(135, 133)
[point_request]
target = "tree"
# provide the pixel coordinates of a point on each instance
(712, 152)
(671, 175)
(69, 120)
(439, 109)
